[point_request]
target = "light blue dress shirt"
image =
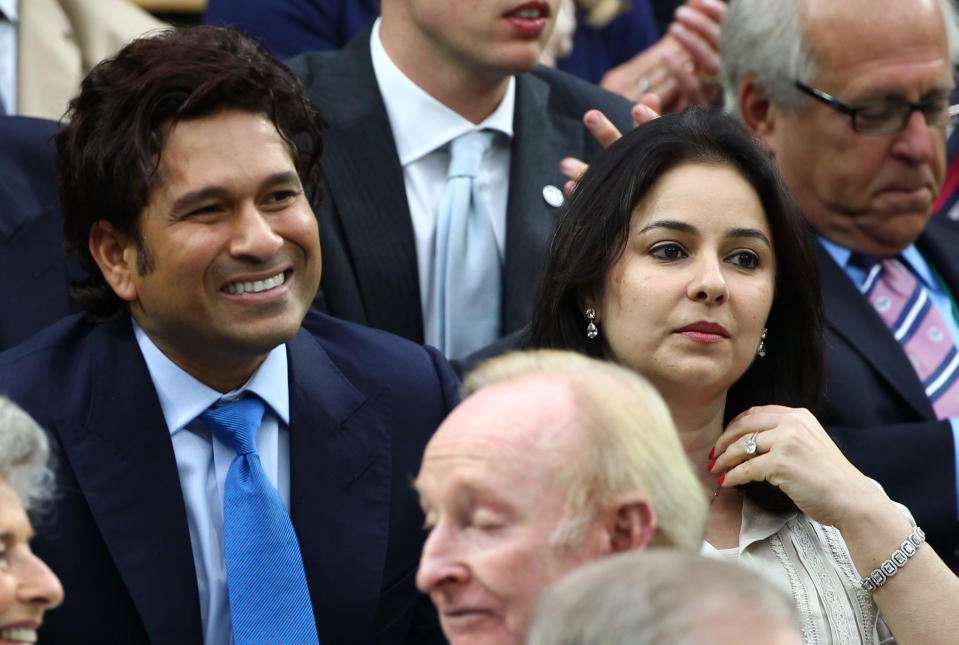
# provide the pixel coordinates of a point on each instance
(923, 273)
(8, 55)
(203, 461)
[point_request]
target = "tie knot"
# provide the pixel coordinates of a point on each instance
(466, 152)
(236, 423)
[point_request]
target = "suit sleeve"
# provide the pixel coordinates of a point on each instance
(916, 463)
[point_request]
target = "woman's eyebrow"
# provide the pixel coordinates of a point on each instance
(749, 232)
(671, 224)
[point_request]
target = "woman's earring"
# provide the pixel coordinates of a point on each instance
(591, 331)
(761, 350)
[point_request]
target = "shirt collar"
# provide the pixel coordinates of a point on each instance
(420, 123)
(910, 256)
(8, 8)
(183, 398)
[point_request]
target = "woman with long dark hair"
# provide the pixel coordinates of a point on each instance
(681, 256)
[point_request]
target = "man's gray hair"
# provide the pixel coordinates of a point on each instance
(24, 455)
(765, 38)
(659, 596)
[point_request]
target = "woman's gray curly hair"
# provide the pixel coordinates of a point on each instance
(24, 455)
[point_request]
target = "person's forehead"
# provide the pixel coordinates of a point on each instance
(228, 142)
(513, 425)
(13, 518)
(905, 41)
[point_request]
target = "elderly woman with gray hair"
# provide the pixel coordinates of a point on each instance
(27, 586)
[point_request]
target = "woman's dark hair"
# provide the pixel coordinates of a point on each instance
(108, 153)
(594, 228)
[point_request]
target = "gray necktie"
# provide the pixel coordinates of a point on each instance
(468, 265)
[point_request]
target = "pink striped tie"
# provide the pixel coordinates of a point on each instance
(906, 308)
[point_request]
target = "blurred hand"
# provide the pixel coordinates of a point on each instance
(682, 67)
(606, 133)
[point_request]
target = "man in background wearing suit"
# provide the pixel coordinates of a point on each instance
(192, 415)
(31, 238)
(400, 99)
(854, 112)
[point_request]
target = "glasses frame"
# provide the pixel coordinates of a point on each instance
(852, 110)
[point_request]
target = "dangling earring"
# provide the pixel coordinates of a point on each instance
(761, 350)
(591, 331)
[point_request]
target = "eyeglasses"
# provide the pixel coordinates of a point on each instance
(891, 115)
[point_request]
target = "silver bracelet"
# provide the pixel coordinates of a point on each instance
(896, 561)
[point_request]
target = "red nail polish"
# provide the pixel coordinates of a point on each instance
(719, 480)
(711, 451)
(711, 464)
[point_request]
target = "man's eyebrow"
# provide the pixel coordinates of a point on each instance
(186, 200)
(671, 224)
(282, 177)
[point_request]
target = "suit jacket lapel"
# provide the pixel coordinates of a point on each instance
(340, 474)
(542, 138)
(856, 322)
(123, 459)
(366, 190)
(939, 245)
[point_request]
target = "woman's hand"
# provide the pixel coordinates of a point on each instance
(794, 453)
(921, 601)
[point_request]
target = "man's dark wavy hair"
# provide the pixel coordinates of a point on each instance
(594, 228)
(109, 151)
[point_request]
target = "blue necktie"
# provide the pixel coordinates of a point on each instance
(269, 599)
(467, 278)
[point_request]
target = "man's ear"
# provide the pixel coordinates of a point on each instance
(759, 113)
(116, 255)
(633, 523)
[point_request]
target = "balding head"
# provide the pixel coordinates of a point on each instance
(552, 460)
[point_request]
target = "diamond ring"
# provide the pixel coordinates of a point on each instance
(751, 444)
(644, 84)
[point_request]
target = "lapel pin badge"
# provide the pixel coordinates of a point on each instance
(553, 196)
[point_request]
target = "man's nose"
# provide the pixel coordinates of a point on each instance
(440, 560)
(254, 237)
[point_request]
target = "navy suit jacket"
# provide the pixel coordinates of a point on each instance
(35, 270)
(875, 406)
(370, 274)
(362, 406)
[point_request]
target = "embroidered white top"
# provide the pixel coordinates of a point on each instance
(810, 563)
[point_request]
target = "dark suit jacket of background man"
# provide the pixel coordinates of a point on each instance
(875, 406)
(36, 273)
(362, 406)
(370, 274)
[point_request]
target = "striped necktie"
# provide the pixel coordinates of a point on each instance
(269, 598)
(906, 308)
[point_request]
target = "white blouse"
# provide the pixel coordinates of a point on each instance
(810, 563)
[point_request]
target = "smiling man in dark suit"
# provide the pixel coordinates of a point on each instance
(398, 98)
(225, 474)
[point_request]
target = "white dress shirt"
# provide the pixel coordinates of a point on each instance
(422, 129)
(809, 563)
(203, 462)
(8, 55)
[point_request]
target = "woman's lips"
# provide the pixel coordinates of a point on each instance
(704, 332)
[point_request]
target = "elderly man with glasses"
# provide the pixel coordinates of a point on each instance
(852, 99)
